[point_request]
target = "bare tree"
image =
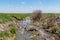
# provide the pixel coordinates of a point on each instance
(36, 15)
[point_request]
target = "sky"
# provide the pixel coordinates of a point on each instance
(28, 6)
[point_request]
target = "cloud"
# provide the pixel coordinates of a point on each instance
(40, 2)
(31, 7)
(22, 2)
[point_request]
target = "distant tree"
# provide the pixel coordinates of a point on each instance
(37, 15)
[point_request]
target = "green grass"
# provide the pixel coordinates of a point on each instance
(13, 30)
(8, 17)
(4, 33)
(10, 33)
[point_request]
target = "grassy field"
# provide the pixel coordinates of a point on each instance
(8, 17)
(12, 31)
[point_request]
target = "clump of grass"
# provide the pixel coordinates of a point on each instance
(44, 25)
(11, 33)
(13, 30)
(58, 34)
(4, 33)
(35, 35)
(55, 28)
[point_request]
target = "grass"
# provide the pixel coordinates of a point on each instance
(13, 30)
(8, 17)
(6, 34)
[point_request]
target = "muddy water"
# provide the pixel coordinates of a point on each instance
(23, 34)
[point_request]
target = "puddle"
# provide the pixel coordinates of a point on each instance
(23, 34)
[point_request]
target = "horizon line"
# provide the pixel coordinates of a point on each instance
(16, 13)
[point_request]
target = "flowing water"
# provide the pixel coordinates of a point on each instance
(25, 35)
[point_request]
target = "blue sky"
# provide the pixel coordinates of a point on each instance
(26, 6)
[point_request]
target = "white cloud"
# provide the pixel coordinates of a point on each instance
(31, 7)
(22, 2)
(40, 2)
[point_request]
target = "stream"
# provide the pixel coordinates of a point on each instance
(23, 34)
